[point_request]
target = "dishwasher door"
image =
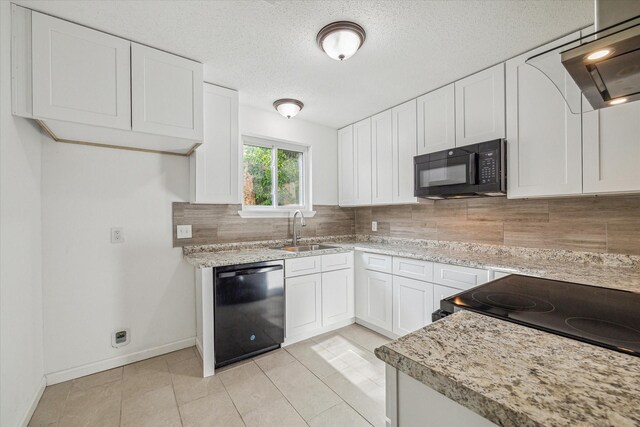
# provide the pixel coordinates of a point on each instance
(249, 310)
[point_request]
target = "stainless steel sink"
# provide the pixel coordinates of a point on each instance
(304, 248)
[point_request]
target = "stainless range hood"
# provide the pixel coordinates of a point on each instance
(605, 64)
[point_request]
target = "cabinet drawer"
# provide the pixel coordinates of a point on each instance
(459, 277)
(499, 274)
(301, 266)
(337, 261)
(413, 269)
(382, 263)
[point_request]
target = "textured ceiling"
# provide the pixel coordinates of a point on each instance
(267, 50)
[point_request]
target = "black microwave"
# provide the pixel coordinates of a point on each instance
(472, 171)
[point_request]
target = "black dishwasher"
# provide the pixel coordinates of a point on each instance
(248, 310)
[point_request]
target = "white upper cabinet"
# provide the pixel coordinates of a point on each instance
(214, 165)
(436, 120)
(88, 87)
(611, 144)
(404, 150)
(346, 169)
(382, 158)
(166, 93)
(544, 137)
(362, 166)
(79, 74)
(480, 111)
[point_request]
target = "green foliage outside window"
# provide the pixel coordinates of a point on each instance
(258, 177)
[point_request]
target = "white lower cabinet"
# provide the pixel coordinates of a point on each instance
(373, 298)
(320, 294)
(303, 304)
(337, 296)
(412, 304)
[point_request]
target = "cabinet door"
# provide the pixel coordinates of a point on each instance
(436, 120)
(80, 75)
(166, 94)
(611, 144)
(337, 296)
(382, 158)
(346, 170)
(480, 112)
(404, 150)
(303, 304)
(412, 304)
(362, 141)
(214, 165)
(544, 137)
(374, 298)
(441, 292)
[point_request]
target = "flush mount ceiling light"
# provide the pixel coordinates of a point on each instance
(288, 107)
(599, 54)
(341, 40)
(617, 101)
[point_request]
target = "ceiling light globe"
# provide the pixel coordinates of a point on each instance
(598, 54)
(288, 107)
(341, 40)
(617, 101)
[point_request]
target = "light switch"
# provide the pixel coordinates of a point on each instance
(184, 231)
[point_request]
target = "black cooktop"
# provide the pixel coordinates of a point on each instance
(605, 317)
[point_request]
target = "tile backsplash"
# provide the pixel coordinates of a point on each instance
(222, 224)
(595, 224)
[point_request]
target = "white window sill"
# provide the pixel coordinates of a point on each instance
(272, 213)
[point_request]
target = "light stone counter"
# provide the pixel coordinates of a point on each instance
(518, 376)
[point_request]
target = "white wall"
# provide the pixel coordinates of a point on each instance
(323, 140)
(91, 286)
(21, 354)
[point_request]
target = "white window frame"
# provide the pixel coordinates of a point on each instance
(278, 211)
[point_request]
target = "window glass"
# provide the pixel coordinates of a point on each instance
(289, 178)
(258, 176)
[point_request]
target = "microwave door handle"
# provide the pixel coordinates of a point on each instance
(472, 168)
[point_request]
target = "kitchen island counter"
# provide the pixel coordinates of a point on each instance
(518, 376)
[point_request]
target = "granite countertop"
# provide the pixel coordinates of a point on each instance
(613, 271)
(519, 376)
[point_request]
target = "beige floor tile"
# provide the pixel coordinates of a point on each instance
(95, 406)
(180, 355)
(365, 396)
(100, 378)
(278, 413)
(253, 393)
(51, 405)
(155, 408)
(215, 410)
(144, 382)
(361, 359)
(155, 364)
(238, 373)
(308, 394)
(274, 359)
(188, 383)
(316, 358)
(364, 337)
(341, 415)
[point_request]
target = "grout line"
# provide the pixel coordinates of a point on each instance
(278, 388)
(232, 401)
(173, 389)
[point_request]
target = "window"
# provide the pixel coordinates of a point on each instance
(275, 178)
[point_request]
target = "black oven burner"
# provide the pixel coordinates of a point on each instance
(604, 329)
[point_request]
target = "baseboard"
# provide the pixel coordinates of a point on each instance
(103, 365)
(377, 329)
(34, 403)
(324, 330)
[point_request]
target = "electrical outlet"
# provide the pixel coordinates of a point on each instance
(117, 235)
(183, 231)
(120, 338)
(374, 225)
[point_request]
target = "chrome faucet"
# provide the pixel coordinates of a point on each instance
(296, 232)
